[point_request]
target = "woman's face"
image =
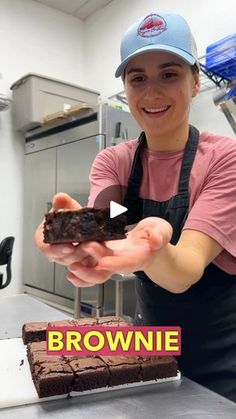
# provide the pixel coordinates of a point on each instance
(159, 88)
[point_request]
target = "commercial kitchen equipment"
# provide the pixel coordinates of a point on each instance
(58, 158)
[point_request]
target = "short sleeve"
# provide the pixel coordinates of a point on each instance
(109, 174)
(214, 211)
(102, 177)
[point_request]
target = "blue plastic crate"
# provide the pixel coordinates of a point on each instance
(221, 57)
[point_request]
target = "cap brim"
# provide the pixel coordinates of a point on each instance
(155, 48)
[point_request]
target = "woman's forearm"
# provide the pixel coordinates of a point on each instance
(175, 268)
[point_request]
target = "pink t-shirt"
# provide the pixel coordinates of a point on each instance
(212, 185)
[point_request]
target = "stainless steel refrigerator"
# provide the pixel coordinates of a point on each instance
(58, 158)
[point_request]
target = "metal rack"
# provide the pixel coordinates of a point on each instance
(224, 88)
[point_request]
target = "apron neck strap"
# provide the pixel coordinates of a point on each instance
(188, 158)
(190, 150)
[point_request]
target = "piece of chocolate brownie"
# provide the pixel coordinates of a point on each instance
(83, 225)
(155, 367)
(38, 358)
(90, 373)
(53, 378)
(35, 348)
(34, 332)
(122, 369)
(51, 374)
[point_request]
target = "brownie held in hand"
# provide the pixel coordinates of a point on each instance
(83, 225)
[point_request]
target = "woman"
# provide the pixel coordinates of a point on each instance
(181, 194)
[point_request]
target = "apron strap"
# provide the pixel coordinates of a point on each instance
(188, 159)
(136, 173)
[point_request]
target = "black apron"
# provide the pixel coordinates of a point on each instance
(206, 312)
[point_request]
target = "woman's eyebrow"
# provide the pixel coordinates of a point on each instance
(164, 65)
(135, 70)
(170, 64)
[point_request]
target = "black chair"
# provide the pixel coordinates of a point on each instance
(6, 247)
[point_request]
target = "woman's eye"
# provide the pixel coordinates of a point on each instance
(137, 79)
(169, 75)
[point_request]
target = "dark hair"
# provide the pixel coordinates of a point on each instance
(194, 68)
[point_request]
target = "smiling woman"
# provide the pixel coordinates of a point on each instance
(159, 91)
(181, 197)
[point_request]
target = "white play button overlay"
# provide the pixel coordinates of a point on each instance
(116, 209)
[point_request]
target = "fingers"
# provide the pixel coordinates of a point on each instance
(68, 254)
(119, 264)
(65, 254)
(78, 282)
(96, 250)
(84, 276)
(64, 201)
(52, 251)
(156, 230)
(83, 273)
(85, 253)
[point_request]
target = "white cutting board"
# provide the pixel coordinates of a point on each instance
(17, 387)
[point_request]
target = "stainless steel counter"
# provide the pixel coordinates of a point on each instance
(182, 400)
(20, 309)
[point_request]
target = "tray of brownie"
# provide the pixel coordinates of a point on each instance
(29, 375)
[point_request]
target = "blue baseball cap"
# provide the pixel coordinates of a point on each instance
(166, 32)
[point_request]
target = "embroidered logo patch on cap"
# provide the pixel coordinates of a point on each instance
(167, 32)
(152, 25)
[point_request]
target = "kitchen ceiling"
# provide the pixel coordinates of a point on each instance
(78, 8)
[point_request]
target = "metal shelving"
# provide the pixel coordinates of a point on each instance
(224, 87)
(223, 72)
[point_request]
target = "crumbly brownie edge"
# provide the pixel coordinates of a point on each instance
(83, 225)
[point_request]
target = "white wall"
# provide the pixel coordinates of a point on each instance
(209, 20)
(33, 38)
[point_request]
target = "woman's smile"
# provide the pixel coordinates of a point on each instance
(156, 112)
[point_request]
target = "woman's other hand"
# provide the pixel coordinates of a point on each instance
(120, 256)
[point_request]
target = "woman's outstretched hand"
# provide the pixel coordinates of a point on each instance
(121, 256)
